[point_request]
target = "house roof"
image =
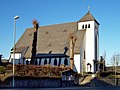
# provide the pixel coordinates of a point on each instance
(52, 38)
(20, 49)
(88, 17)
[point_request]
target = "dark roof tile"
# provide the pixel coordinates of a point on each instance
(52, 38)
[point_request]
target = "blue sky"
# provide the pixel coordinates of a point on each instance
(48, 12)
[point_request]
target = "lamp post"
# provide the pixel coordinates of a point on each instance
(16, 17)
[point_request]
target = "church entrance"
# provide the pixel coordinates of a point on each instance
(89, 66)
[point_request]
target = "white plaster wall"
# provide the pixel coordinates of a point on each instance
(62, 61)
(90, 42)
(90, 37)
(97, 36)
(82, 60)
(18, 58)
(57, 60)
(17, 55)
(42, 61)
(38, 61)
(52, 61)
(47, 60)
(77, 62)
(68, 61)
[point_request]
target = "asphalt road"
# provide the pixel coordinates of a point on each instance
(70, 88)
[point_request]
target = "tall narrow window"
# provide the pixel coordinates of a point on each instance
(40, 61)
(82, 26)
(55, 62)
(65, 61)
(88, 25)
(84, 54)
(27, 62)
(45, 62)
(59, 62)
(36, 62)
(49, 60)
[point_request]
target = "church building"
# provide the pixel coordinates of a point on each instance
(72, 44)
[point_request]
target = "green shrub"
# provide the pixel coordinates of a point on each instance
(2, 70)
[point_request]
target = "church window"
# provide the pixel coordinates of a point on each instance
(65, 61)
(59, 62)
(49, 60)
(88, 25)
(27, 62)
(45, 62)
(40, 61)
(84, 54)
(55, 62)
(82, 26)
(36, 62)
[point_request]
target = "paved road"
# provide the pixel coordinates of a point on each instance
(71, 88)
(84, 88)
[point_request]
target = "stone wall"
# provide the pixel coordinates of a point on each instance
(103, 82)
(30, 82)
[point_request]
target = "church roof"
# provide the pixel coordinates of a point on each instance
(52, 38)
(88, 17)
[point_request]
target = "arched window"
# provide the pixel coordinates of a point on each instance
(65, 61)
(82, 26)
(55, 62)
(88, 25)
(45, 62)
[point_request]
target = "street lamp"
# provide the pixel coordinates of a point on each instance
(16, 17)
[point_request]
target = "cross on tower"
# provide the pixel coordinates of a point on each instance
(88, 8)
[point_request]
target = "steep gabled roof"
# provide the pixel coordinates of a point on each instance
(88, 17)
(52, 38)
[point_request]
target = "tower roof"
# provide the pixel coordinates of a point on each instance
(88, 17)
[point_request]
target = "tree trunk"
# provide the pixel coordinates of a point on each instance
(34, 45)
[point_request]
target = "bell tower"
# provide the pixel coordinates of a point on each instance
(90, 52)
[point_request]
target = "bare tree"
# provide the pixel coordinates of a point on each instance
(34, 44)
(115, 60)
(104, 55)
(73, 39)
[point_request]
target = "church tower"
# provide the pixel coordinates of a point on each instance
(89, 54)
